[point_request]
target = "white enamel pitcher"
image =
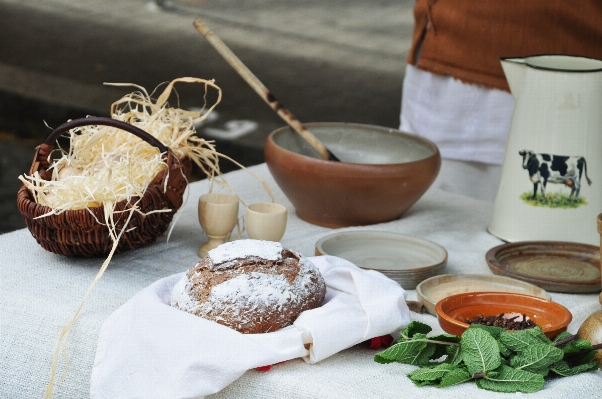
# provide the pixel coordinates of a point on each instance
(551, 182)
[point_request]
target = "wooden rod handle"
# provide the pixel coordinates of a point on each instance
(263, 91)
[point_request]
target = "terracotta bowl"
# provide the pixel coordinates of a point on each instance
(382, 174)
(433, 289)
(452, 311)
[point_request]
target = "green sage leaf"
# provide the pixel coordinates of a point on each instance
(579, 351)
(492, 374)
(445, 338)
(536, 358)
(520, 340)
(480, 351)
(413, 328)
(504, 350)
(455, 376)
(431, 373)
(511, 380)
(562, 368)
(494, 331)
(454, 354)
(577, 345)
(441, 349)
(562, 335)
(409, 352)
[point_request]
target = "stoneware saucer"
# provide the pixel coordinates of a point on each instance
(404, 258)
(552, 265)
(433, 289)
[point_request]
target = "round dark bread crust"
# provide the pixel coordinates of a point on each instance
(267, 295)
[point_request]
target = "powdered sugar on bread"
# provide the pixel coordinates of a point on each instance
(252, 286)
(244, 248)
(180, 297)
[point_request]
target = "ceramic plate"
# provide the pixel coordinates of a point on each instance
(552, 265)
(432, 290)
(403, 258)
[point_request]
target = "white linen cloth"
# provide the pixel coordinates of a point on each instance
(467, 122)
(473, 179)
(40, 291)
(148, 349)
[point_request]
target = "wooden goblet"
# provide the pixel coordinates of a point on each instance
(218, 214)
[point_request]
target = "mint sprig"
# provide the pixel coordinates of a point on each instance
(511, 380)
(480, 352)
(496, 359)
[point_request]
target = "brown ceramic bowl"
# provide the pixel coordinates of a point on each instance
(454, 310)
(382, 174)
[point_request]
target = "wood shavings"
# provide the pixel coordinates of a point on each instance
(105, 164)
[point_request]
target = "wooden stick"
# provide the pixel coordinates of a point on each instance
(263, 91)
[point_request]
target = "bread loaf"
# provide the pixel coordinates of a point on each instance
(252, 286)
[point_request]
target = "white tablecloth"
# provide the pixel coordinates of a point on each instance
(40, 291)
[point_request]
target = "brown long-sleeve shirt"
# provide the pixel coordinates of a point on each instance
(466, 38)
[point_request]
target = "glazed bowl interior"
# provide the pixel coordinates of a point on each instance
(354, 143)
(453, 311)
(382, 173)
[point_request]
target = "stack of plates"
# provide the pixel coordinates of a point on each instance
(406, 259)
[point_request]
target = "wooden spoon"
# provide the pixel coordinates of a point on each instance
(263, 91)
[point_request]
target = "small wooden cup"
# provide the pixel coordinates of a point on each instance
(218, 214)
(266, 221)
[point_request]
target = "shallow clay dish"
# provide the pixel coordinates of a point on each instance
(403, 258)
(553, 265)
(453, 311)
(382, 174)
(433, 289)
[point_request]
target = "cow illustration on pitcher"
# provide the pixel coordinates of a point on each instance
(559, 169)
(555, 127)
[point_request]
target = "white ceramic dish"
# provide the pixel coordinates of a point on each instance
(433, 289)
(403, 258)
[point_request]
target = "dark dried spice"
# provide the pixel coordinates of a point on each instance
(503, 322)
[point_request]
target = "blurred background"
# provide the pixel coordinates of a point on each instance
(336, 60)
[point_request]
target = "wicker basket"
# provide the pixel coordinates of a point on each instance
(77, 232)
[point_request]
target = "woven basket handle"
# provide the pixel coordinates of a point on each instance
(41, 160)
(97, 120)
(172, 180)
